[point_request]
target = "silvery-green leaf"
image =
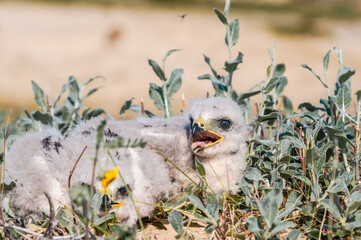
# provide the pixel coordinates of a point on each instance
(296, 142)
(326, 60)
(272, 54)
(268, 143)
(169, 53)
(353, 222)
(280, 86)
(221, 16)
(6, 206)
(270, 205)
(232, 66)
(175, 82)
(343, 138)
(343, 98)
(340, 182)
(39, 95)
(243, 96)
(287, 105)
(254, 224)
(91, 91)
(74, 90)
(44, 118)
(227, 6)
(96, 203)
(253, 174)
(293, 199)
(103, 219)
(232, 33)
(94, 113)
(272, 84)
(135, 108)
(339, 55)
(213, 209)
(269, 70)
(295, 234)
(126, 105)
(176, 220)
(355, 202)
(273, 115)
(208, 61)
(197, 203)
(200, 168)
(309, 107)
(298, 174)
(218, 86)
(156, 94)
(358, 94)
(158, 71)
(333, 206)
(279, 70)
(314, 73)
(280, 227)
(345, 74)
(210, 228)
(93, 78)
(63, 89)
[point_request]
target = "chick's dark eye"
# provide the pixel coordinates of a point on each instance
(224, 124)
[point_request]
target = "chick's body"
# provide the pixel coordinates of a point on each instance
(42, 161)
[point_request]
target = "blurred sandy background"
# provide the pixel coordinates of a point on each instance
(47, 42)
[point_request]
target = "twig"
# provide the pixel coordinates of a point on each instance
(76, 163)
(4, 225)
(69, 237)
(89, 203)
(157, 151)
(323, 221)
(188, 224)
(303, 163)
(355, 149)
(215, 174)
(52, 219)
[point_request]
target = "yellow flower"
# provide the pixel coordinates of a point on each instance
(109, 177)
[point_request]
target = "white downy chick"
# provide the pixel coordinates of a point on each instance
(214, 130)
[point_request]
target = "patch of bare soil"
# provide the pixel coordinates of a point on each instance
(158, 231)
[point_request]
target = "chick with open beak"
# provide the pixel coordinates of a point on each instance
(202, 137)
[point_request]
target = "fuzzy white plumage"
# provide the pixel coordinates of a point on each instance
(213, 130)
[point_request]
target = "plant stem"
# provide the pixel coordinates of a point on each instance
(76, 163)
(165, 99)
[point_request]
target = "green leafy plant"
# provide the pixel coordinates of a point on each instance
(161, 95)
(65, 115)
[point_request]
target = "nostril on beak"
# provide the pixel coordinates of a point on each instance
(106, 202)
(197, 128)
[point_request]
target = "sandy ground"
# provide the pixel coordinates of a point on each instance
(49, 43)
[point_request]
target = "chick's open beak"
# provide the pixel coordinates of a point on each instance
(108, 203)
(202, 137)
